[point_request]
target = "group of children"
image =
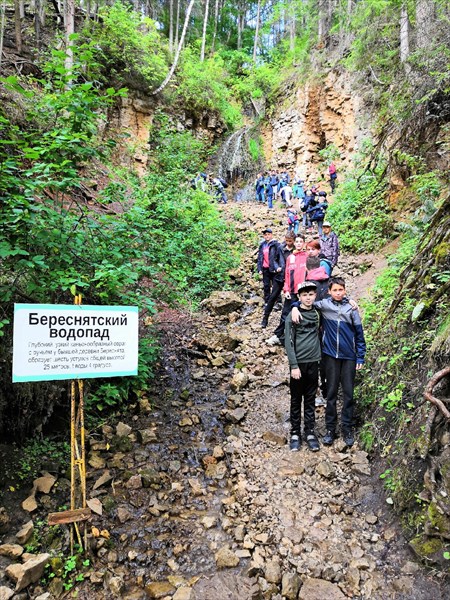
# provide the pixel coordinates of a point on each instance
(319, 327)
(311, 202)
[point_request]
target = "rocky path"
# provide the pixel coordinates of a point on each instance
(201, 498)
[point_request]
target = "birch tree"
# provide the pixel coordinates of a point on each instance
(404, 35)
(178, 51)
(258, 18)
(17, 26)
(205, 24)
(69, 25)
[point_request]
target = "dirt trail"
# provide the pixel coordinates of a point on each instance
(206, 502)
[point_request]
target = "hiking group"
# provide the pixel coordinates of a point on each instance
(319, 326)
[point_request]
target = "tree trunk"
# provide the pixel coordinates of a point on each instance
(177, 54)
(216, 20)
(2, 27)
(255, 43)
(404, 34)
(69, 19)
(171, 27)
(425, 17)
(37, 23)
(177, 24)
(205, 24)
(17, 26)
(292, 27)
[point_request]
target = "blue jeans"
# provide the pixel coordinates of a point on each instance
(270, 200)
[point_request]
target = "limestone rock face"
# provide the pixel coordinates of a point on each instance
(314, 118)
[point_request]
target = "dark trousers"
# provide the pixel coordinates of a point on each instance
(279, 331)
(339, 371)
(272, 290)
(323, 379)
(304, 389)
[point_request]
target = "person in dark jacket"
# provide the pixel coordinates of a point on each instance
(271, 266)
(329, 244)
(303, 349)
(343, 349)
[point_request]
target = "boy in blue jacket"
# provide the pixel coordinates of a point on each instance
(343, 351)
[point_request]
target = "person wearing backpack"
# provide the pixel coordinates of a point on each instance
(318, 268)
(218, 188)
(329, 244)
(317, 211)
(260, 188)
(333, 176)
(293, 220)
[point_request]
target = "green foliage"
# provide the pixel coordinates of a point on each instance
(128, 47)
(38, 452)
(360, 212)
(200, 86)
(255, 149)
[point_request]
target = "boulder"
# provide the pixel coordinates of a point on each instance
(29, 572)
(319, 589)
(226, 558)
(223, 302)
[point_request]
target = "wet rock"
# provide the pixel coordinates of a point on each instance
(326, 469)
(226, 558)
(148, 436)
(102, 480)
(123, 514)
(223, 302)
(216, 341)
(6, 593)
(122, 429)
(29, 572)
(271, 436)
(116, 586)
(159, 589)
(209, 522)
(272, 571)
(184, 593)
(5, 520)
(150, 478)
(25, 533)
(96, 461)
(319, 589)
(239, 380)
(134, 483)
(11, 550)
(236, 415)
(290, 586)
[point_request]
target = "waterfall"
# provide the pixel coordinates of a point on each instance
(233, 159)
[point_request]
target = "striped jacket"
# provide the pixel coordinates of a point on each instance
(343, 335)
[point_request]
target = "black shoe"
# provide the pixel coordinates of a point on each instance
(295, 443)
(349, 438)
(278, 306)
(264, 322)
(329, 437)
(313, 442)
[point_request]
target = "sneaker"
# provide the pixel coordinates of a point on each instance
(295, 443)
(329, 437)
(313, 442)
(273, 341)
(349, 438)
(264, 322)
(278, 306)
(320, 401)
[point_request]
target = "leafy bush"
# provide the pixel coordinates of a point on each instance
(201, 86)
(128, 47)
(360, 212)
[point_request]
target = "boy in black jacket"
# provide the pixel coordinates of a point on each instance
(271, 266)
(303, 349)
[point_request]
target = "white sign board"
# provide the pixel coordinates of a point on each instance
(58, 341)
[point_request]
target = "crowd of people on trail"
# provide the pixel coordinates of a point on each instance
(305, 203)
(319, 326)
